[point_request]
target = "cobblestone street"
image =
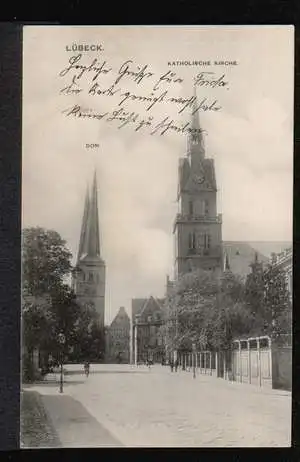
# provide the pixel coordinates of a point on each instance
(142, 407)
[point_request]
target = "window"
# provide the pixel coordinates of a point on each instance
(149, 319)
(91, 277)
(192, 241)
(191, 208)
(206, 208)
(207, 241)
(83, 276)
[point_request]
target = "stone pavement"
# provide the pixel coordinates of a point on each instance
(143, 407)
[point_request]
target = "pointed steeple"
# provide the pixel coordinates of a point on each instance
(89, 245)
(195, 138)
(82, 249)
(93, 237)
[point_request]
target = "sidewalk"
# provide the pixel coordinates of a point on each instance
(74, 425)
(36, 429)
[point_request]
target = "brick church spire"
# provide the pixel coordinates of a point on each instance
(89, 275)
(82, 249)
(197, 226)
(93, 237)
(89, 245)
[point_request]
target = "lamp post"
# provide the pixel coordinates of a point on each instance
(193, 359)
(61, 340)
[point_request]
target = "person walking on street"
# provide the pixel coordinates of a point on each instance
(87, 368)
(171, 365)
(176, 365)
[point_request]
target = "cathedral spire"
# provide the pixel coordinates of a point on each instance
(89, 244)
(82, 249)
(93, 238)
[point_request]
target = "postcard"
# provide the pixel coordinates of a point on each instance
(157, 199)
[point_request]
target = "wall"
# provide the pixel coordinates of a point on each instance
(282, 367)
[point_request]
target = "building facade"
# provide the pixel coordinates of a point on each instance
(197, 226)
(146, 336)
(118, 338)
(284, 261)
(88, 279)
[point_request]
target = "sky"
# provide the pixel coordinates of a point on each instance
(250, 138)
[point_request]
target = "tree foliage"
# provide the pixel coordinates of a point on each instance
(45, 260)
(268, 298)
(277, 304)
(49, 305)
(206, 310)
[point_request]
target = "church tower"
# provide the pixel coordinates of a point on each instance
(197, 227)
(89, 275)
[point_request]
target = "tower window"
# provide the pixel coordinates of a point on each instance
(191, 208)
(206, 208)
(192, 241)
(207, 241)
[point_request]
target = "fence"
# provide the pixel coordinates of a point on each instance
(252, 361)
(255, 361)
(205, 362)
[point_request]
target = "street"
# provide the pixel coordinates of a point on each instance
(157, 408)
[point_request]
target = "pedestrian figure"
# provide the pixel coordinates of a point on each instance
(176, 365)
(87, 368)
(172, 365)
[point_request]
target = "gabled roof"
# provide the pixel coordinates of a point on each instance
(240, 256)
(138, 305)
(121, 316)
(150, 300)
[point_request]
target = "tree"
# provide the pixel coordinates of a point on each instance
(45, 261)
(231, 317)
(254, 296)
(208, 310)
(277, 305)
